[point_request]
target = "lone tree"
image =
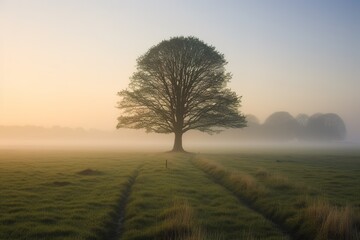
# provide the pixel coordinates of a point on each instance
(180, 85)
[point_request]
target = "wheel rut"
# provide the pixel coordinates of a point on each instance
(116, 228)
(245, 202)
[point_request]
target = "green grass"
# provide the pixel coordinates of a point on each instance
(34, 206)
(332, 174)
(252, 195)
(272, 186)
(217, 211)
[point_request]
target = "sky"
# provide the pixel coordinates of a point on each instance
(62, 62)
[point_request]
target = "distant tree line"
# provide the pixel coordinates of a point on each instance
(283, 126)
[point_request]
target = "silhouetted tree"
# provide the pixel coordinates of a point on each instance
(302, 119)
(281, 126)
(252, 120)
(180, 85)
(328, 126)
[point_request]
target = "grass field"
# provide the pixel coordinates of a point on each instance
(63, 194)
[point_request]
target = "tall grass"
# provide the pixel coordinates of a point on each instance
(274, 180)
(178, 223)
(239, 183)
(333, 222)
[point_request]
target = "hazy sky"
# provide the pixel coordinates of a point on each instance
(62, 62)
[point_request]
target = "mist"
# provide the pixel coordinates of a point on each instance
(279, 131)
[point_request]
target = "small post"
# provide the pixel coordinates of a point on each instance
(166, 163)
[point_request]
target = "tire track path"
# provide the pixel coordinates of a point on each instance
(116, 229)
(243, 200)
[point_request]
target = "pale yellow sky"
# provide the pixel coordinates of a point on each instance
(62, 63)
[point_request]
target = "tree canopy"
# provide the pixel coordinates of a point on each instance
(180, 85)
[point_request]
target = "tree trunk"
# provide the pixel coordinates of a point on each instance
(178, 142)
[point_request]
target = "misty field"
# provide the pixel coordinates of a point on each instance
(63, 194)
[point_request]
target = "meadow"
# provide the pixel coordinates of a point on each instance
(253, 194)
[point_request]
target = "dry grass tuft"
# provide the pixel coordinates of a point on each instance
(179, 224)
(242, 183)
(274, 180)
(280, 182)
(333, 222)
(247, 182)
(180, 214)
